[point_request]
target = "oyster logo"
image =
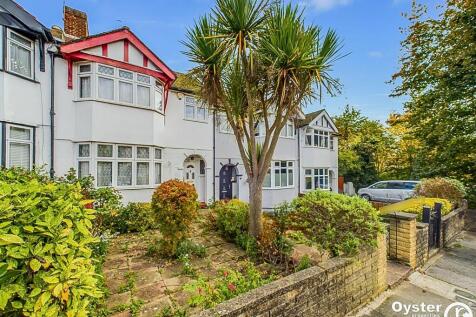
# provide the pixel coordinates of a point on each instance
(458, 310)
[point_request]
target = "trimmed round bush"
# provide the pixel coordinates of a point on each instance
(337, 223)
(231, 217)
(441, 187)
(46, 267)
(175, 204)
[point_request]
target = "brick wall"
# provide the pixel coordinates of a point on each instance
(452, 224)
(421, 244)
(334, 288)
(402, 235)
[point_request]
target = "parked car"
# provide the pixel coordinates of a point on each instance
(388, 191)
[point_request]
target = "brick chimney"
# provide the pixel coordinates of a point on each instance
(75, 22)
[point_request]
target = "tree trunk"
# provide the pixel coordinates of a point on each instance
(256, 208)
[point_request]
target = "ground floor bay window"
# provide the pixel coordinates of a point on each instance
(316, 178)
(120, 165)
(17, 142)
(280, 175)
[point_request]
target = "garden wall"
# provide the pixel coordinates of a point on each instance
(421, 244)
(333, 288)
(452, 224)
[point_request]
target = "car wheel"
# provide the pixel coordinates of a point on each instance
(365, 196)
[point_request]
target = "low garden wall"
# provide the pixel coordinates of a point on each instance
(421, 244)
(334, 288)
(452, 224)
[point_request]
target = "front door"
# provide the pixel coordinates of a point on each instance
(227, 177)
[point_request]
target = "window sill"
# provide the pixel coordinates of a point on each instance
(316, 147)
(20, 76)
(196, 120)
(115, 103)
(278, 188)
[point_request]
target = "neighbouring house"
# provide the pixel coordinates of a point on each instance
(107, 106)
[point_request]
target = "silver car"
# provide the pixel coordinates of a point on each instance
(388, 191)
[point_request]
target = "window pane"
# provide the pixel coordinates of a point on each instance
(158, 173)
(143, 96)
(20, 39)
(201, 113)
(124, 173)
(125, 92)
(158, 99)
(84, 87)
(20, 60)
(20, 134)
(104, 173)
(308, 139)
(83, 169)
(267, 180)
(308, 182)
(104, 150)
(124, 151)
(158, 154)
(142, 173)
(84, 68)
(83, 150)
(143, 79)
(290, 177)
(189, 112)
(125, 74)
(284, 177)
(106, 88)
(277, 178)
(142, 152)
(19, 155)
(106, 70)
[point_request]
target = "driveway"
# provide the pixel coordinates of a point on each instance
(447, 278)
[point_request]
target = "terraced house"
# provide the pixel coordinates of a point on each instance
(107, 106)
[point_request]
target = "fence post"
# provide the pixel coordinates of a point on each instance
(426, 214)
(437, 220)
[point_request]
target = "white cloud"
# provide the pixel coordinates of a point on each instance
(375, 54)
(325, 5)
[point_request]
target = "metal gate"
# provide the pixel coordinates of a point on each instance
(433, 219)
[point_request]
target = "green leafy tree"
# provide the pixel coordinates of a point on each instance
(258, 61)
(438, 74)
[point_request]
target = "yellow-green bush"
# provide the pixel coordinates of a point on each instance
(231, 217)
(441, 187)
(134, 217)
(175, 204)
(415, 206)
(46, 267)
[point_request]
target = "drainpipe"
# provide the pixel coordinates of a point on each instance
(52, 51)
(214, 154)
(299, 159)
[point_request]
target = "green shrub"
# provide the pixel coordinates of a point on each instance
(337, 223)
(228, 284)
(441, 187)
(231, 218)
(247, 243)
(134, 217)
(415, 206)
(175, 204)
(304, 263)
(46, 267)
(189, 247)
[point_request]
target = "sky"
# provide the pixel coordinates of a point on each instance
(369, 29)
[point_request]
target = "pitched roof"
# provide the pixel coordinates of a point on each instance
(185, 82)
(14, 16)
(309, 117)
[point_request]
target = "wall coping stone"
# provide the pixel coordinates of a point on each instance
(454, 213)
(401, 215)
(421, 225)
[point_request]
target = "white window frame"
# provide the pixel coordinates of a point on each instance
(95, 74)
(319, 135)
(9, 140)
(290, 166)
(288, 131)
(313, 175)
(93, 160)
(89, 74)
(190, 101)
(31, 49)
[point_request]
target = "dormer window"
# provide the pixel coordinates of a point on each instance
(20, 54)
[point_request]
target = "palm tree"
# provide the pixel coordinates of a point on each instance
(257, 62)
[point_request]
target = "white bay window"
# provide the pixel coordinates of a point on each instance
(317, 138)
(121, 165)
(315, 178)
(280, 175)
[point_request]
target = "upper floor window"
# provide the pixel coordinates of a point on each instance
(19, 146)
(288, 130)
(119, 85)
(317, 138)
(20, 54)
(224, 126)
(195, 110)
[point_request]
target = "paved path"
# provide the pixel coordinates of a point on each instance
(448, 277)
